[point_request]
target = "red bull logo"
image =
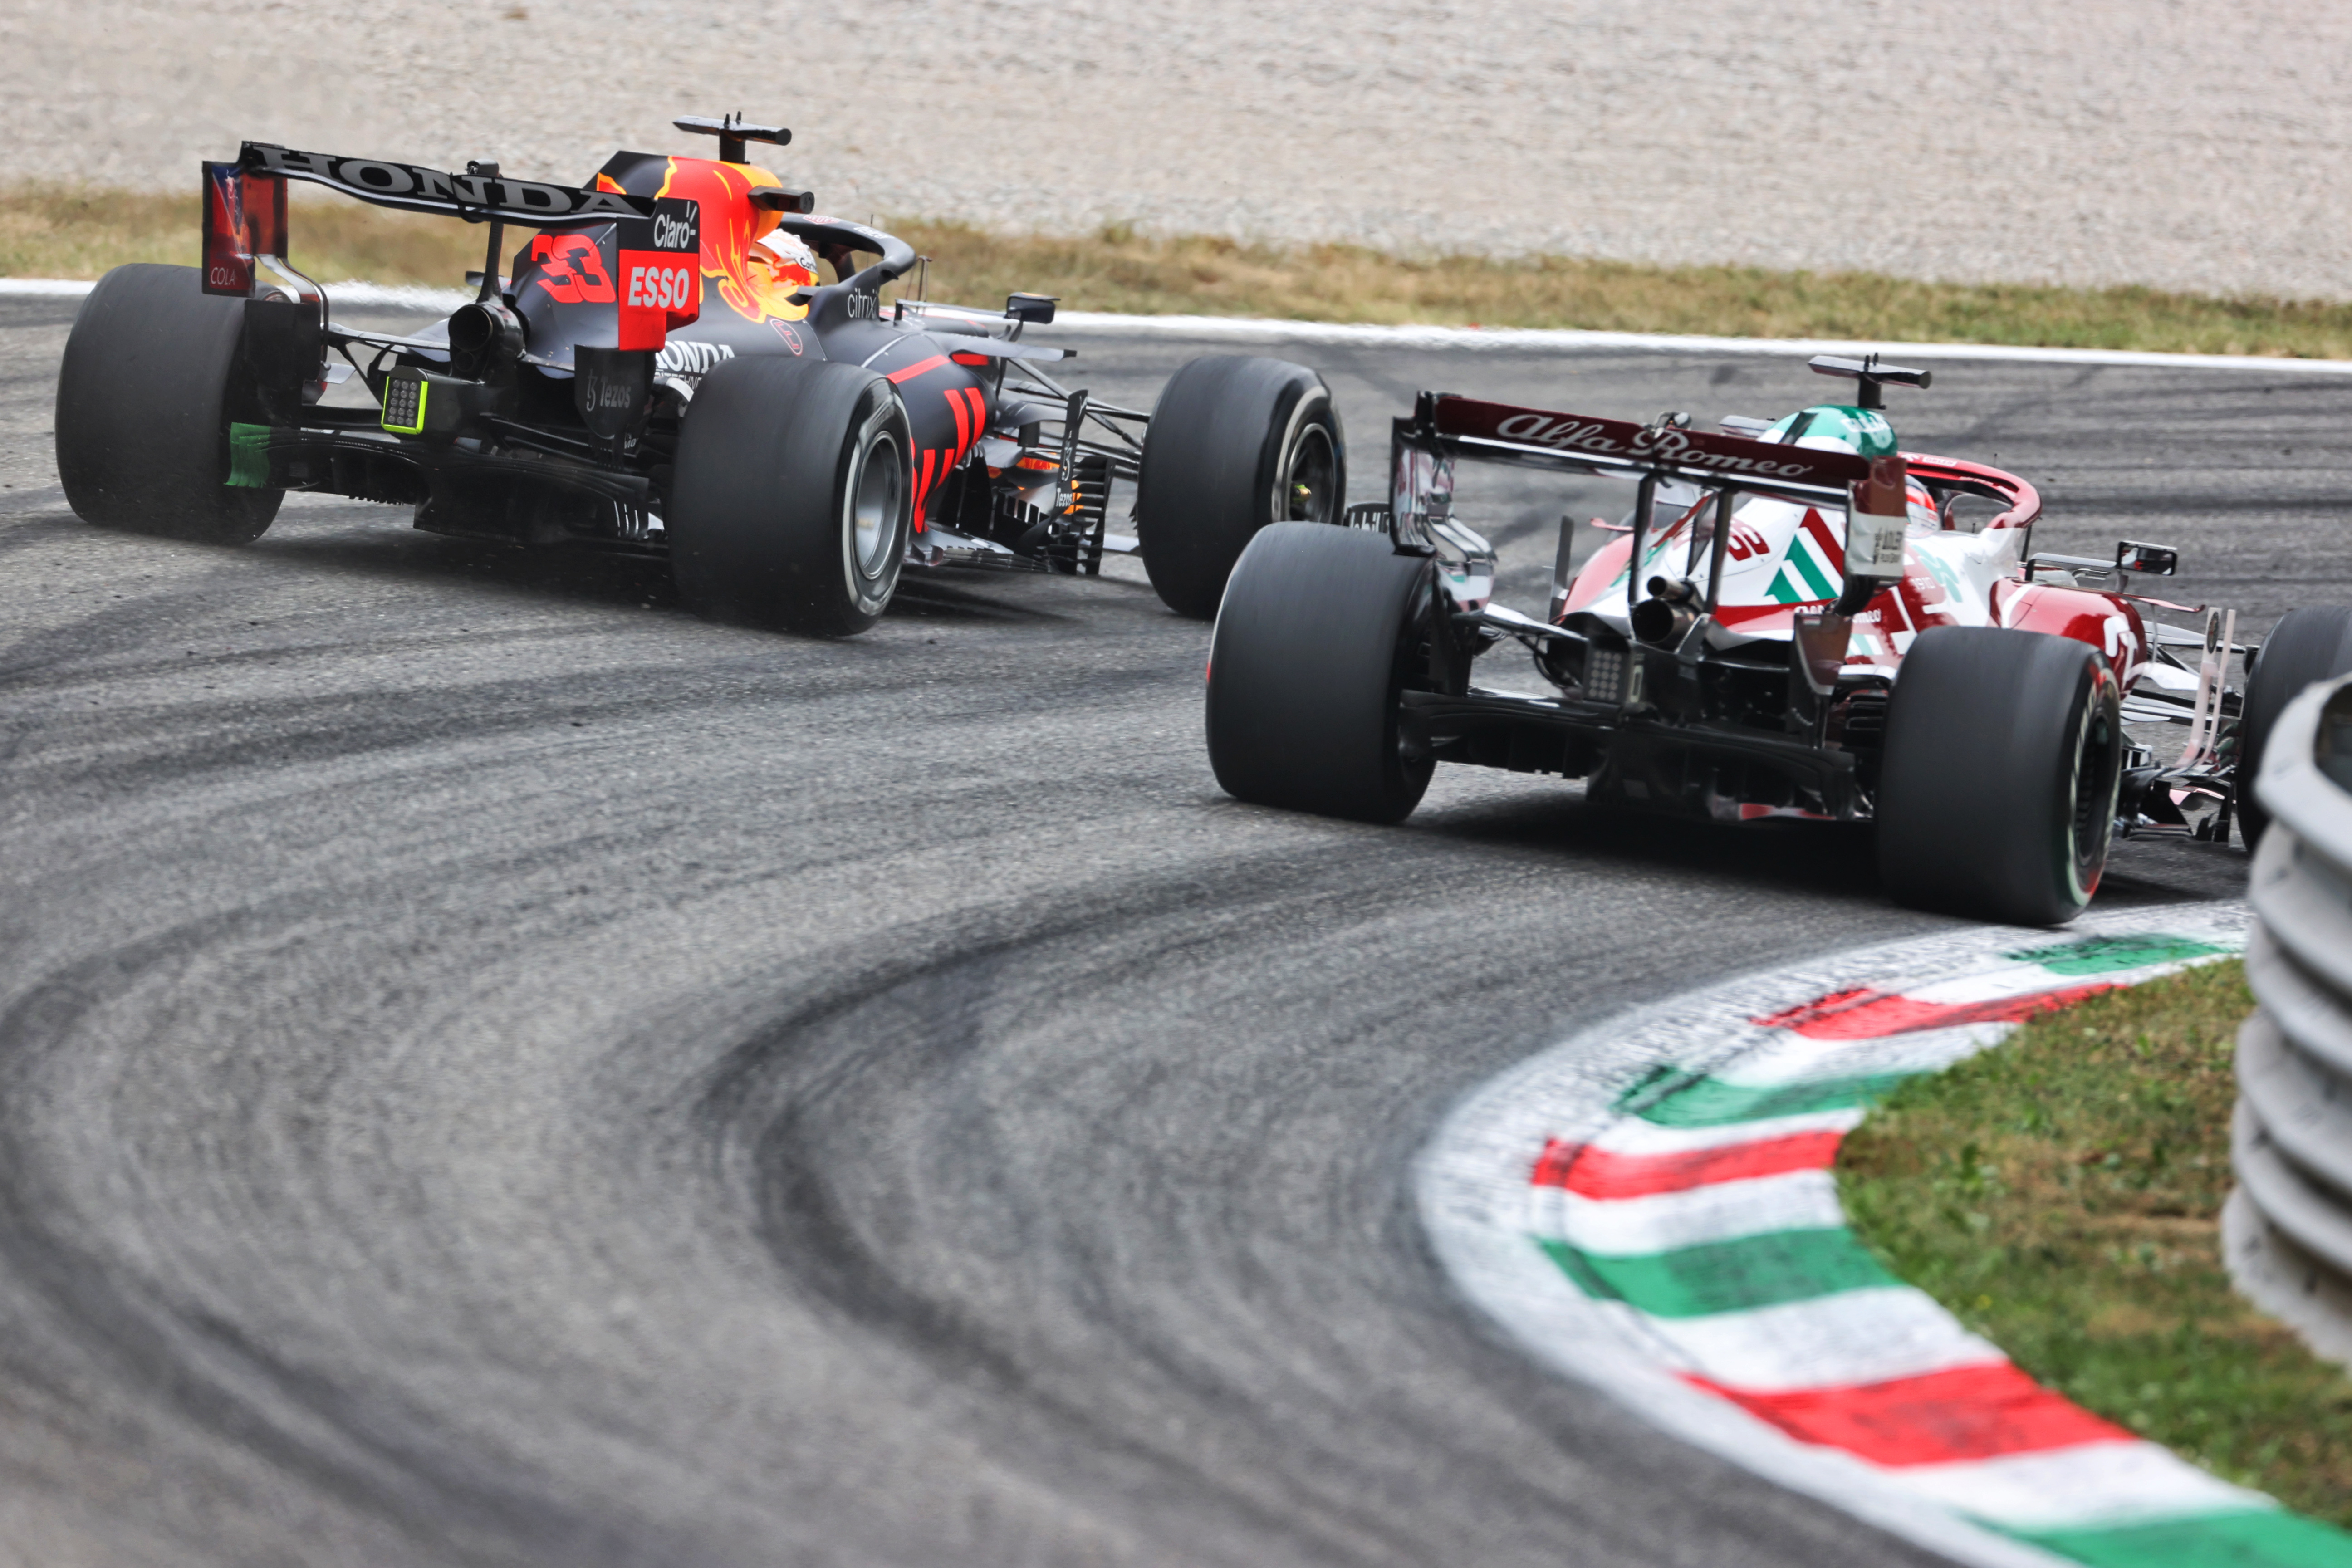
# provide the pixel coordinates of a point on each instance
(756, 285)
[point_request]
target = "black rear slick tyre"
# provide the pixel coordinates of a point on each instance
(154, 374)
(1235, 443)
(1312, 648)
(1997, 788)
(794, 496)
(2307, 645)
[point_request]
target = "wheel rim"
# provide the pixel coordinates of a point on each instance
(1309, 482)
(874, 513)
(2094, 780)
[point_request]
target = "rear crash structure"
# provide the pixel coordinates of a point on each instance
(678, 359)
(1796, 620)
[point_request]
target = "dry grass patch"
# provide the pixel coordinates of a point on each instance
(1117, 269)
(58, 231)
(61, 231)
(2060, 1195)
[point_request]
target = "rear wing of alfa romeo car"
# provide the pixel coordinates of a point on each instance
(1666, 448)
(652, 242)
(1443, 428)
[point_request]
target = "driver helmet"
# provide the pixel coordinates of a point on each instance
(1841, 427)
(1836, 427)
(788, 257)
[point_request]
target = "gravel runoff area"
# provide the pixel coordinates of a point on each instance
(2196, 146)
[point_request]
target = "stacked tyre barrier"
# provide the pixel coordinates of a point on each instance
(2288, 1227)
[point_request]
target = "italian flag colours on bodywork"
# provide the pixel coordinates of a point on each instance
(1688, 1206)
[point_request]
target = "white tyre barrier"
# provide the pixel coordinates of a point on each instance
(2288, 1229)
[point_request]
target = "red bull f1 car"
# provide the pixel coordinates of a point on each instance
(1798, 620)
(680, 359)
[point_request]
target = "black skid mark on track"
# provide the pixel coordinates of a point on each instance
(43, 498)
(1833, 858)
(154, 618)
(2019, 410)
(767, 1108)
(392, 1464)
(371, 544)
(789, 1122)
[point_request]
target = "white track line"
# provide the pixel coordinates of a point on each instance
(1247, 328)
(1521, 340)
(378, 296)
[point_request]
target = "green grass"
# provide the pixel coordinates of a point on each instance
(2060, 1195)
(56, 231)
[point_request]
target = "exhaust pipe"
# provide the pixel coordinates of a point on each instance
(1667, 616)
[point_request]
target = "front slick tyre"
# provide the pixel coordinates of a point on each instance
(1233, 445)
(1314, 642)
(1996, 789)
(792, 496)
(152, 376)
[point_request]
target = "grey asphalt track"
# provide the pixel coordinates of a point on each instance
(495, 1070)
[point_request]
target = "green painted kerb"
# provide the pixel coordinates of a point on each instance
(1672, 1097)
(2257, 1537)
(1726, 1275)
(2107, 954)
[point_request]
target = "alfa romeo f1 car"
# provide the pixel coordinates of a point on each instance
(1799, 620)
(788, 445)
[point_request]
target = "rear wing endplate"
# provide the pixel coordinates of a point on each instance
(245, 217)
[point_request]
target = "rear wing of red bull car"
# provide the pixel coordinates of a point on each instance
(648, 245)
(623, 269)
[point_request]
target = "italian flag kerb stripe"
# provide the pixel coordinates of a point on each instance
(1701, 1203)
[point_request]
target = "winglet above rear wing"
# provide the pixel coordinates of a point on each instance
(733, 133)
(1871, 376)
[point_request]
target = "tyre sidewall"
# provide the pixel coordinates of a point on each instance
(2090, 779)
(1304, 406)
(880, 433)
(1314, 644)
(1992, 800)
(1213, 466)
(763, 521)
